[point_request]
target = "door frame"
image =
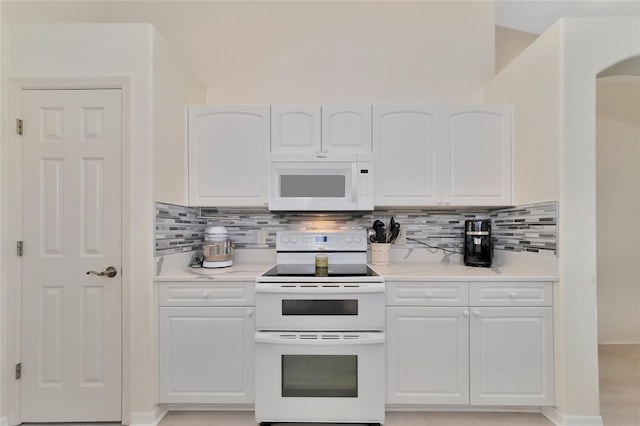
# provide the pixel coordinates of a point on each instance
(11, 230)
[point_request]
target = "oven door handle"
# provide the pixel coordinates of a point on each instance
(320, 339)
(319, 289)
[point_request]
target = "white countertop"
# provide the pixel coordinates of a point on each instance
(398, 271)
(438, 271)
(237, 272)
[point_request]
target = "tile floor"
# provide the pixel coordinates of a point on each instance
(620, 384)
(619, 400)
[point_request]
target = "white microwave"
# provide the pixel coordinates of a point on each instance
(317, 182)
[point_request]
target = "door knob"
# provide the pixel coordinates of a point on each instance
(109, 272)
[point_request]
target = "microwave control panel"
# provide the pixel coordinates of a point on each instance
(365, 184)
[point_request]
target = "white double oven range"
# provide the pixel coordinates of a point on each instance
(320, 339)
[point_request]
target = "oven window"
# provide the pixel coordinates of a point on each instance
(312, 186)
(320, 307)
(320, 376)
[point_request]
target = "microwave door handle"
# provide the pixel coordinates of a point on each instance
(354, 181)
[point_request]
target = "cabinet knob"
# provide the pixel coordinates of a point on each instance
(476, 313)
(428, 294)
(513, 294)
(205, 294)
(249, 313)
(465, 313)
(447, 202)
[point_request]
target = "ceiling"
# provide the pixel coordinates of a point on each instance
(535, 16)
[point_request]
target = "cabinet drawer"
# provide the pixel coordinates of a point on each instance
(427, 294)
(510, 294)
(206, 294)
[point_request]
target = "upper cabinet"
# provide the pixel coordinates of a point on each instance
(425, 155)
(407, 155)
(477, 155)
(442, 155)
(316, 130)
(228, 149)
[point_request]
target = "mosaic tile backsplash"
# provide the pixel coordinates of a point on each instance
(528, 228)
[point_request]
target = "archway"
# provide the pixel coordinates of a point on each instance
(618, 239)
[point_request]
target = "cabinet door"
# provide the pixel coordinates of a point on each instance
(407, 151)
(477, 155)
(427, 355)
(228, 149)
(346, 129)
(511, 356)
(206, 355)
(295, 129)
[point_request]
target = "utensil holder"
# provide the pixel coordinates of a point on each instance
(380, 253)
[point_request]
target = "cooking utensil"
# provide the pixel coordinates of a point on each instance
(394, 232)
(392, 225)
(378, 226)
(371, 235)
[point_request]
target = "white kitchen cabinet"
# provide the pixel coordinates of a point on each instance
(206, 352)
(511, 356)
(442, 155)
(476, 155)
(228, 148)
(321, 130)
(492, 344)
(428, 355)
(295, 129)
(407, 155)
(511, 343)
(346, 128)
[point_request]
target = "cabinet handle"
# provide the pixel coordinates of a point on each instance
(513, 294)
(205, 294)
(476, 313)
(465, 313)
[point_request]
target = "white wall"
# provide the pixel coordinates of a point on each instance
(531, 82)
(618, 208)
(323, 51)
(99, 50)
(174, 86)
(3, 279)
(552, 83)
(509, 44)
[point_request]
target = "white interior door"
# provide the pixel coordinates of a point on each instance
(71, 224)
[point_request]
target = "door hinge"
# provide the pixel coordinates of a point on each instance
(19, 248)
(18, 371)
(19, 126)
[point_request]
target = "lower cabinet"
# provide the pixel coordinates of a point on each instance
(427, 355)
(473, 354)
(206, 352)
(511, 356)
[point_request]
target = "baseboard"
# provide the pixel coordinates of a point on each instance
(149, 418)
(462, 408)
(211, 407)
(560, 419)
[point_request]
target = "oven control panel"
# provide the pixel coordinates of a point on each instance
(350, 240)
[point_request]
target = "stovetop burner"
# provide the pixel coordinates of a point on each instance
(308, 270)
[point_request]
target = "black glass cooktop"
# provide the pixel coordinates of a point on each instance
(309, 270)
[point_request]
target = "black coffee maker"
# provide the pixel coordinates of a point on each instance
(478, 247)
